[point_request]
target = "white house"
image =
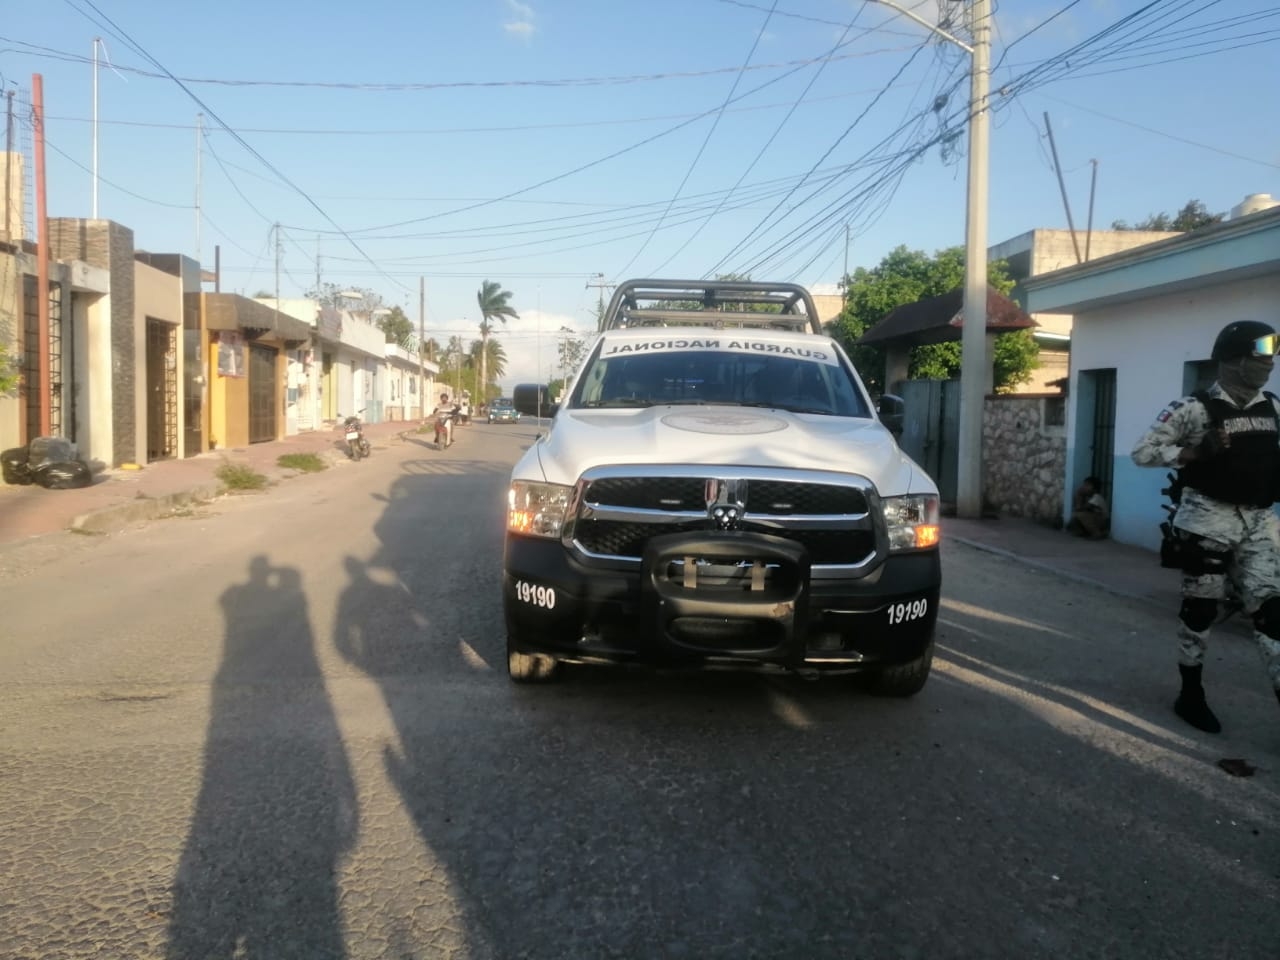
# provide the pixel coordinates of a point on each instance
(402, 386)
(1145, 321)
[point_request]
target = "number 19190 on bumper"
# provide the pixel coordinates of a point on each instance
(718, 600)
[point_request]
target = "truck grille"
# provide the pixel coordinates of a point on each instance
(833, 515)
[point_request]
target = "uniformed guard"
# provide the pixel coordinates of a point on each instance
(1226, 443)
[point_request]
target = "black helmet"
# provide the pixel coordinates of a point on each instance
(1240, 339)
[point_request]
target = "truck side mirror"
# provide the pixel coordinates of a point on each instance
(533, 400)
(892, 411)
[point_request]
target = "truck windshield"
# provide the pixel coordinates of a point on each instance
(731, 378)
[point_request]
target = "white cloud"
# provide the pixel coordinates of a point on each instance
(522, 25)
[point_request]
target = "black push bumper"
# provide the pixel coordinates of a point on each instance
(718, 599)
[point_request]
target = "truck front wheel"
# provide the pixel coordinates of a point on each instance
(903, 679)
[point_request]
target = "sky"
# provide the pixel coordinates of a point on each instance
(562, 147)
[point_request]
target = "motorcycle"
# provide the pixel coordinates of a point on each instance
(445, 422)
(357, 445)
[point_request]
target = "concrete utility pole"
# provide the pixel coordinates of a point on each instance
(975, 365)
(199, 185)
(43, 358)
(96, 41)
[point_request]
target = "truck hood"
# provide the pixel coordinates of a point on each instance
(721, 436)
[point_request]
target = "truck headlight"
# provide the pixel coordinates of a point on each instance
(912, 522)
(537, 509)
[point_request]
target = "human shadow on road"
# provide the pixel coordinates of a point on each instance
(277, 804)
(635, 815)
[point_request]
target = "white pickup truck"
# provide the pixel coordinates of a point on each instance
(718, 491)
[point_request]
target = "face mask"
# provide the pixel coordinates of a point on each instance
(1243, 378)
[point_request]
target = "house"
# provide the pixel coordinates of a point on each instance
(1144, 324)
(111, 376)
(403, 384)
(1041, 251)
(250, 348)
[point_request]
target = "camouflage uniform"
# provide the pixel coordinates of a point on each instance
(1225, 539)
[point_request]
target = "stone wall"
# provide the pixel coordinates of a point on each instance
(1024, 457)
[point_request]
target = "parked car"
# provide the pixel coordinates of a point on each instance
(503, 410)
(719, 490)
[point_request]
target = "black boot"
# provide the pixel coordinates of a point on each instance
(1190, 705)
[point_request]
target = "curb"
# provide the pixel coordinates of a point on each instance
(111, 519)
(119, 516)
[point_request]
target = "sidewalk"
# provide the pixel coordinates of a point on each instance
(118, 498)
(1116, 567)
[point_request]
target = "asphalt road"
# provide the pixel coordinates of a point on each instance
(281, 727)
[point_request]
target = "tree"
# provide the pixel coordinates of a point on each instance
(495, 362)
(10, 377)
(361, 301)
(1192, 216)
(569, 351)
(397, 327)
(492, 300)
(905, 276)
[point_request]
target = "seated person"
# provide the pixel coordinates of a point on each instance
(1089, 514)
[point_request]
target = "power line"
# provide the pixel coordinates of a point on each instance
(115, 186)
(438, 131)
(579, 169)
(124, 37)
(760, 153)
(35, 50)
(1162, 133)
(876, 99)
(715, 123)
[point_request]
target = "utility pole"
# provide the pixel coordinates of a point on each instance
(844, 277)
(1062, 186)
(422, 346)
(597, 280)
(8, 167)
(277, 230)
(1093, 188)
(96, 41)
(199, 145)
(975, 365)
(42, 261)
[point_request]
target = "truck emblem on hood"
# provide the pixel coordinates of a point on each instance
(726, 502)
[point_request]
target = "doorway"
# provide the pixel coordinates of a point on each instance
(262, 394)
(1095, 428)
(162, 390)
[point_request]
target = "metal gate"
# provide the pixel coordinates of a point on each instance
(59, 426)
(262, 394)
(931, 430)
(1098, 389)
(162, 390)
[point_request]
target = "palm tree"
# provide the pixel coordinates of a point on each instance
(495, 356)
(492, 300)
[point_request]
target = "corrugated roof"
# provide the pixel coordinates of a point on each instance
(940, 319)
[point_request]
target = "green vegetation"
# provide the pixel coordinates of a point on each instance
(305, 462)
(240, 477)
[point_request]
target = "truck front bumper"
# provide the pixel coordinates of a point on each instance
(718, 600)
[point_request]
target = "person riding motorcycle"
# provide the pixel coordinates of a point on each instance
(445, 413)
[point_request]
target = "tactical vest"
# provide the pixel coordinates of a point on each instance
(1248, 471)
